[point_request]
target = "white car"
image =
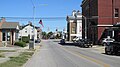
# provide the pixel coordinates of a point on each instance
(106, 40)
(75, 39)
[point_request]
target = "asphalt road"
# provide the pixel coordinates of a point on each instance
(52, 54)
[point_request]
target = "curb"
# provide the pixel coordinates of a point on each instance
(99, 48)
(36, 49)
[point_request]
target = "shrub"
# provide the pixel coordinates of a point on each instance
(21, 44)
(25, 39)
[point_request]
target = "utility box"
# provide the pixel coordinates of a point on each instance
(31, 44)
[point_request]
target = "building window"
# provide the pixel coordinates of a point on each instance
(32, 32)
(25, 31)
(25, 28)
(8, 36)
(73, 30)
(116, 12)
(87, 7)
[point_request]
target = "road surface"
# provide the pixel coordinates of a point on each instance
(52, 54)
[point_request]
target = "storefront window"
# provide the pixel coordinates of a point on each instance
(8, 36)
(73, 30)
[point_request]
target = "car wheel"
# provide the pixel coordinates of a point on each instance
(104, 44)
(108, 52)
(91, 45)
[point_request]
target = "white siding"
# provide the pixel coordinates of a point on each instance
(28, 30)
(79, 28)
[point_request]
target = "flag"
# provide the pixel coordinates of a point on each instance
(40, 22)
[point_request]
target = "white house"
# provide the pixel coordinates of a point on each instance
(28, 30)
(74, 25)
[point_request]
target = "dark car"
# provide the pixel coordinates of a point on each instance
(112, 48)
(62, 41)
(85, 43)
(37, 41)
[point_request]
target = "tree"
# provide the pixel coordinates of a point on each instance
(49, 34)
(44, 35)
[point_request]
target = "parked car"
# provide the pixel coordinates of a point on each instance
(62, 41)
(75, 39)
(107, 40)
(112, 48)
(85, 43)
(37, 41)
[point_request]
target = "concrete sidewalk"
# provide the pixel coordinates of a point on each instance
(35, 55)
(100, 49)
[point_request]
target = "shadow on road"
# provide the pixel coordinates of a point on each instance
(112, 54)
(68, 44)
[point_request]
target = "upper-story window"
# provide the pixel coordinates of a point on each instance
(32, 32)
(73, 30)
(25, 31)
(25, 28)
(116, 11)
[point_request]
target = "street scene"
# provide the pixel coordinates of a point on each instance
(74, 33)
(52, 54)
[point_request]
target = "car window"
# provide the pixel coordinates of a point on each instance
(109, 39)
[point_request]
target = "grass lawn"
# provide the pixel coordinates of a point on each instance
(7, 51)
(17, 61)
(2, 55)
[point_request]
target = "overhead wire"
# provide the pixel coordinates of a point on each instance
(37, 18)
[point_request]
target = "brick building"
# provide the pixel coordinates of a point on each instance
(101, 15)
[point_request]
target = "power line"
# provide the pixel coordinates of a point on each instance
(37, 18)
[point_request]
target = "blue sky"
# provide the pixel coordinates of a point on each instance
(43, 8)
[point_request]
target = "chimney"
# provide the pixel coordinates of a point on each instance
(29, 22)
(74, 12)
(3, 19)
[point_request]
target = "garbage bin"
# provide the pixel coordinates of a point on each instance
(31, 44)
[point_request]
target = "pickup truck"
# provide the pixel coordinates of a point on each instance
(112, 48)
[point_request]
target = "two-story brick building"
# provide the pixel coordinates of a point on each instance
(101, 15)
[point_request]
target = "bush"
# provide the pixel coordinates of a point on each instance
(21, 44)
(25, 39)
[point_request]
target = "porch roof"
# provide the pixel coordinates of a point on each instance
(9, 25)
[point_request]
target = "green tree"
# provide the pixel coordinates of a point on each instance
(49, 34)
(44, 35)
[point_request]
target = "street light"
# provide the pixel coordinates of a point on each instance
(34, 20)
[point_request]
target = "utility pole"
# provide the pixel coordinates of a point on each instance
(33, 24)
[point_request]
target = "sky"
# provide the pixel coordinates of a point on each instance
(43, 9)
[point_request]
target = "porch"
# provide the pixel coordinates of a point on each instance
(8, 37)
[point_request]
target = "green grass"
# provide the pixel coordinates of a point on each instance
(17, 61)
(2, 55)
(7, 51)
(30, 49)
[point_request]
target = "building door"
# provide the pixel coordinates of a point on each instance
(3, 36)
(6, 37)
(12, 37)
